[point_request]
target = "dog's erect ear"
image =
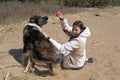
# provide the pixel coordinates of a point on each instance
(34, 18)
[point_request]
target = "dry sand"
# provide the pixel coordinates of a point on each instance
(103, 45)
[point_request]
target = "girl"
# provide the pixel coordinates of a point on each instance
(74, 50)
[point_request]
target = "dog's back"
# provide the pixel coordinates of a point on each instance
(31, 35)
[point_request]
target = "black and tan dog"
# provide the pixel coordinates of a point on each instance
(37, 48)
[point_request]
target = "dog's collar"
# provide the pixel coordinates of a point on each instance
(35, 25)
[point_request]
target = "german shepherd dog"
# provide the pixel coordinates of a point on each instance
(37, 48)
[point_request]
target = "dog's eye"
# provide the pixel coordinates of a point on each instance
(32, 20)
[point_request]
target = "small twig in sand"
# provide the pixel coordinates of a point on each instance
(10, 66)
(7, 76)
(91, 75)
(1, 29)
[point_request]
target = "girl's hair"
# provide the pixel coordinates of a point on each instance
(80, 24)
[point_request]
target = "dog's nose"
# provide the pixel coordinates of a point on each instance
(46, 18)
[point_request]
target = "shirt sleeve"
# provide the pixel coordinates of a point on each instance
(66, 48)
(65, 26)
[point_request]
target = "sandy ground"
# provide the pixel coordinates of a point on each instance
(103, 46)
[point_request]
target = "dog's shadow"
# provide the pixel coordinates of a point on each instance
(17, 55)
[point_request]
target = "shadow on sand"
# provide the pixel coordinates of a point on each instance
(17, 55)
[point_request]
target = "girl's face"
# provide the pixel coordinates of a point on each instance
(75, 31)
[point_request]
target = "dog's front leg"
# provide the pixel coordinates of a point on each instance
(51, 71)
(28, 66)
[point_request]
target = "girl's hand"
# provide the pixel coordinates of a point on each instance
(59, 14)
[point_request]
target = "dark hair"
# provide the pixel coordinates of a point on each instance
(80, 24)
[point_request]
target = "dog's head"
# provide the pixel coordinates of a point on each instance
(40, 21)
